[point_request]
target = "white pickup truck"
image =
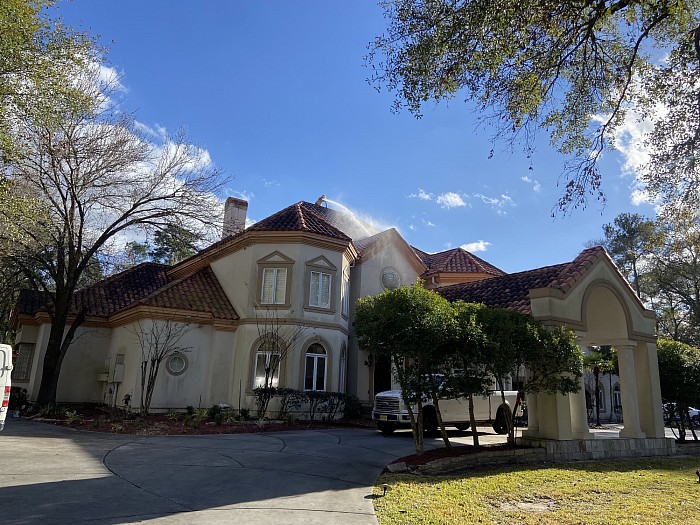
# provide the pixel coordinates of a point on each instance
(5, 384)
(390, 412)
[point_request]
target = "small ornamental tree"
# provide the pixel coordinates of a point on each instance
(549, 355)
(413, 327)
(469, 358)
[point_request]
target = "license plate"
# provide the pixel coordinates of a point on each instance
(383, 418)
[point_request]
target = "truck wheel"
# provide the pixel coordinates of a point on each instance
(500, 424)
(430, 422)
(386, 428)
(462, 426)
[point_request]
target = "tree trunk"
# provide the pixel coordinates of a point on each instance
(472, 421)
(441, 425)
(56, 350)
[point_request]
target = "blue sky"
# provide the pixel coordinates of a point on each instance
(276, 92)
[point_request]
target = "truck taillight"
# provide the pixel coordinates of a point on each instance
(6, 397)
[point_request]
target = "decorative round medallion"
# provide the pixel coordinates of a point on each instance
(391, 280)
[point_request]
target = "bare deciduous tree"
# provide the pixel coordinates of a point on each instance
(277, 336)
(158, 341)
(90, 179)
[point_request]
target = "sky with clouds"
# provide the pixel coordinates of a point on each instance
(275, 94)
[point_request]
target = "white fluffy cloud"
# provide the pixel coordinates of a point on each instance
(422, 194)
(450, 200)
(499, 204)
(476, 246)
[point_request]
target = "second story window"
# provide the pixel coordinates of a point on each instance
(320, 279)
(274, 280)
(274, 286)
(320, 290)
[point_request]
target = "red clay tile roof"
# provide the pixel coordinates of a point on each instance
(511, 291)
(145, 284)
(456, 260)
(345, 221)
(121, 290)
(199, 292)
(301, 216)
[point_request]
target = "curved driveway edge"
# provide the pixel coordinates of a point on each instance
(56, 475)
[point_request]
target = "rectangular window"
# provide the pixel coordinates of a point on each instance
(315, 373)
(274, 286)
(320, 290)
(267, 364)
(345, 299)
(24, 352)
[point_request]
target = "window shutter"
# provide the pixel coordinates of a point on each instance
(268, 280)
(313, 289)
(325, 299)
(280, 285)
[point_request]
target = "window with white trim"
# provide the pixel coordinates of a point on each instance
(267, 366)
(320, 289)
(315, 368)
(274, 286)
(24, 354)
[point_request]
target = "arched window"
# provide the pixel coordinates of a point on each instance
(315, 368)
(267, 365)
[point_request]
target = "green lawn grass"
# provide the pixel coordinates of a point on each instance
(636, 491)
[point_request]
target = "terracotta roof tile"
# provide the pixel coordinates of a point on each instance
(512, 290)
(145, 284)
(116, 292)
(345, 221)
(199, 292)
(456, 260)
(299, 217)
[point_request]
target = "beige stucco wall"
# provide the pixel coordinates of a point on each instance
(83, 361)
(205, 381)
(600, 304)
(238, 274)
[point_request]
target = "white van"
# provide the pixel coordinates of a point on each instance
(5, 383)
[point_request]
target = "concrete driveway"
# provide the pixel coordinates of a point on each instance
(56, 475)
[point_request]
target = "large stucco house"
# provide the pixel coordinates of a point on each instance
(304, 267)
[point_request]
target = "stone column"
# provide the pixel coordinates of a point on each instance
(579, 414)
(533, 423)
(646, 364)
(628, 392)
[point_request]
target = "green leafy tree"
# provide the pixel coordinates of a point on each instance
(675, 278)
(629, 240)
(173, 243)
(679, 377)
(39, 57)
(470, 358)
(94, 178)
(412, 326)
(516, 343)
(573, 69)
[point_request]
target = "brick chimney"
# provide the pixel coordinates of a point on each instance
(234, 216)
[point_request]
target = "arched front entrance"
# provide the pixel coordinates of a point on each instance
(602, 310)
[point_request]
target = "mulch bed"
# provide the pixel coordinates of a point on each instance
(101, 419)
